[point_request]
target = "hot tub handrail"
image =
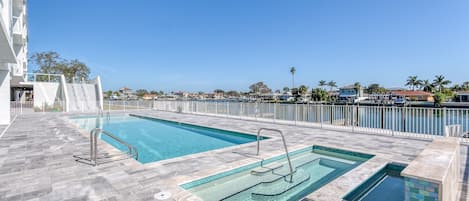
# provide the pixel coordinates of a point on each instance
(284, 145)
(132, 151)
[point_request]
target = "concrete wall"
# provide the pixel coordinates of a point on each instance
(48, 93)
(434, 174)
(83, 97)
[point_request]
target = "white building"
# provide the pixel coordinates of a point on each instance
(13, 51)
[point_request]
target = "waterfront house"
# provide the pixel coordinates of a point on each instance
(412, 95)
(127, 93)
(350, 93)
(149, 96)
(462, 96)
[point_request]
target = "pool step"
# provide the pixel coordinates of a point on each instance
(266, 168)
(280, 186)
(267, 174)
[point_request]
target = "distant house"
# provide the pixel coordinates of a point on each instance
(412, 95)
(462, 96)
(181, 94)
(350, 93)
(149, 96)
(127, 93)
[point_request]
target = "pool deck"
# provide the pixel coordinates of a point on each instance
(36, 160)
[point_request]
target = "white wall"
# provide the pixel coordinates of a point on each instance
(46, 93)
(4, 97)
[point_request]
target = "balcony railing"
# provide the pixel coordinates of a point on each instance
(19, 30)
(42, 77)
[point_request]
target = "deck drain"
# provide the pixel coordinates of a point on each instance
(162, 195)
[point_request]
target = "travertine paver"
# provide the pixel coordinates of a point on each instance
(36, 160)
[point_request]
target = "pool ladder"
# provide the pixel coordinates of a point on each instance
(131, 150)
(284, 145)
(101, 114)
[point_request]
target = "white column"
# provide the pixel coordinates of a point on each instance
(4, 97)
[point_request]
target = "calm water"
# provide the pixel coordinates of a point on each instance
(158, 140)
(415, 120)
(386, 185)
(313, 169)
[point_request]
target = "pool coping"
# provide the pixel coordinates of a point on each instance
(107, 147)
(181, 179)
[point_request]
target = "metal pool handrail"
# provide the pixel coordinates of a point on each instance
(284, 145)
(132, 151)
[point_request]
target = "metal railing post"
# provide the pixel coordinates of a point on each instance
(275, 111)
(444, 121)
(392, 120)
(227, 109)
(321, 114)
(296, 112)
(353, 118)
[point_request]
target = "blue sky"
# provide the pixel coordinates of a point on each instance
(206, 44)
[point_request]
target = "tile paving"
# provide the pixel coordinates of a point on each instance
(36, 160)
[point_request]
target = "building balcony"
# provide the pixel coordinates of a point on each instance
(19, 31)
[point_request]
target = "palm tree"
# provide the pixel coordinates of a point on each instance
(412, 82)
(427, 86)
(303, 90)
(465, 85)
(322, 83)
(293, 71)
(357, 87)
(419, 84)
(440, 82)
(332, 84)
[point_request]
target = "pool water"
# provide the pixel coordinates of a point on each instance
(386, 185)
(160, 139)
(313, 168)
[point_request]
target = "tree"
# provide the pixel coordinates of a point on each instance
(218, 91)
(332, 84)
(108, 93)
(232, 93)
(51, 63)
(357, 87)
(76, 69)
(439, 98)
(440, 82)
(141, 92)
(153, 92)
(412, 82)
(45, 61)
(375, 89)
(293, 71)
(319, 94)
(277, 91)
(322, 83)
(286, 89)
(302, 90)
(427, 86)
(260, 88)
(465, 86)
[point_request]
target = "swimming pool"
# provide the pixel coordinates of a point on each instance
(386, 185)
(158, 139)
(314, 167)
